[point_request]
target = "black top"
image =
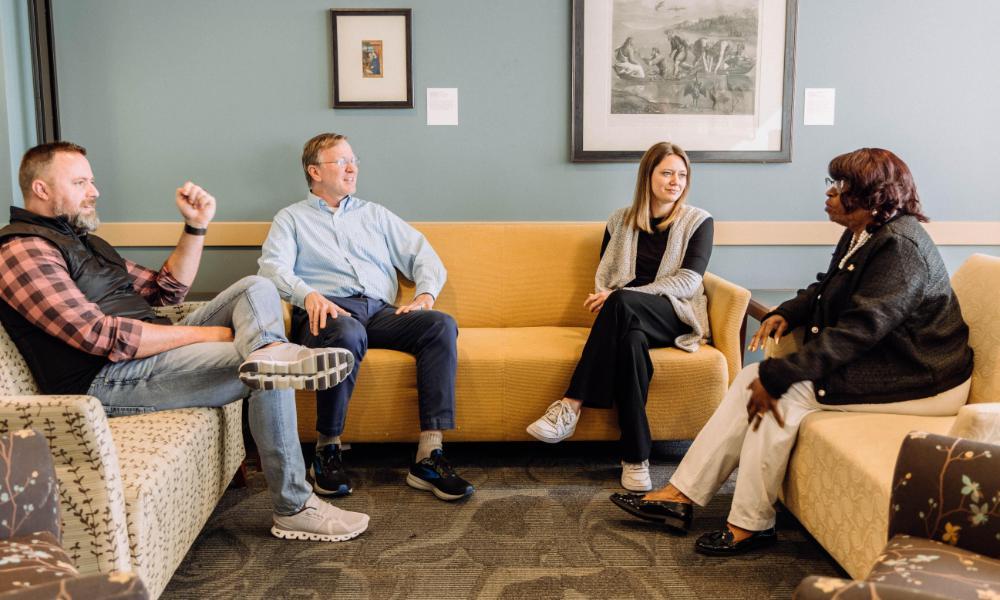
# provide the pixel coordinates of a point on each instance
(885, 328)
(651, 246)
(102, 277)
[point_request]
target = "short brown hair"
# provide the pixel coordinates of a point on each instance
(878, 181)
(38, 158)
(637, 215)
(310, 152)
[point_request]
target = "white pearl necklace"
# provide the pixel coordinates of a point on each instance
(857, 240)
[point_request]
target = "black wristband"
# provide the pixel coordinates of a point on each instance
(195, 230)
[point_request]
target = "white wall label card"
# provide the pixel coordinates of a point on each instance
(819, 106)
(442, 106)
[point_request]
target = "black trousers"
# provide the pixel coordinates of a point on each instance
(615, 369)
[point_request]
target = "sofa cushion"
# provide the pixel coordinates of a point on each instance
(840, 477)
(175, 465)
(515, 274)
(532, 366)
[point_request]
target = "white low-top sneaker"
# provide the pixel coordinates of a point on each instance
(558, 423)
(635, 476)
(319, 521)
(287, 365)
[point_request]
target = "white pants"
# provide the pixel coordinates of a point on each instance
(728, 441)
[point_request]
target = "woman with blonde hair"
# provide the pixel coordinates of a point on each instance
(649, 294)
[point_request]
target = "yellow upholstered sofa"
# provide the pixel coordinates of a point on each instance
(517, 292)
(839, 478)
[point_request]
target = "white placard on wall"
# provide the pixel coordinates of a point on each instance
(819, 106)
(442, 106)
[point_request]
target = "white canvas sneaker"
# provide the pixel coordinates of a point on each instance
(319, 521)
(558, 423)
(635, 476)
(285, 366)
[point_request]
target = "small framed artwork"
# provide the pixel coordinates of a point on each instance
(716, 78)
(372, 58)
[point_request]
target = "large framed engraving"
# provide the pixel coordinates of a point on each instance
(715, 77)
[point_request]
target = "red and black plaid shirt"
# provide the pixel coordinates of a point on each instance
(35, 281)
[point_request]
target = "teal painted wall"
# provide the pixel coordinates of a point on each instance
(17, 111)
(225, 93)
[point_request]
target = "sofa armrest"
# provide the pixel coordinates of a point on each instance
(947, 489)
(727, 308)
(86, 464)
(788, 344)
(826, 588)
(120, 586)
(978, 422)
(29, 492)
(176, 312)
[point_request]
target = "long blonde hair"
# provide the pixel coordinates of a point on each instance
(637, 215)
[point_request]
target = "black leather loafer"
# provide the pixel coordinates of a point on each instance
(720, 543)
(675, 516)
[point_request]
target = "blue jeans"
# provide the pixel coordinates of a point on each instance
(206, 375)
(429, 335)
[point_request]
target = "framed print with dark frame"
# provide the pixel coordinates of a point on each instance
(716, 78)
(372, 58)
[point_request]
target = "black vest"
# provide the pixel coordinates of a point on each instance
(100, 273)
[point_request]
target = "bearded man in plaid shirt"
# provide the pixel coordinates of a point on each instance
(81, 315)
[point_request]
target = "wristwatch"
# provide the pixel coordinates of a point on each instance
(195, 230)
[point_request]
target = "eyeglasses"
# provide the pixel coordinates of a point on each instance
(836, 185)
(342, 162)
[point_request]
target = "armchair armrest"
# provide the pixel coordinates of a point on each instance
(789, 343)
(824, 588)
(947, 489)
(91, 492)
(727, 307)
(978, 422)
(120, 586)
(30, 504)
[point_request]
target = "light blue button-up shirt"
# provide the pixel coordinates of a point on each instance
(339, 252)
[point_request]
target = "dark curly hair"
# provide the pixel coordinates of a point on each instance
(878, 181)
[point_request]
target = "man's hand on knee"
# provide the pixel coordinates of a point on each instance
(318, 308)
(421, 302)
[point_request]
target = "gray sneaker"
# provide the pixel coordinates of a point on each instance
(285, 366)
(319, 521)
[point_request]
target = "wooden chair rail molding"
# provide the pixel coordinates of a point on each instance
(727, 233)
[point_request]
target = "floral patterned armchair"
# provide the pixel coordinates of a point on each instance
(33, 564)
(944, 527)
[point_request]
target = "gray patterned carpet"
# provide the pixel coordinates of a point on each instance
(539, 526)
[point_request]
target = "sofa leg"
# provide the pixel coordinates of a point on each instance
(242, 476)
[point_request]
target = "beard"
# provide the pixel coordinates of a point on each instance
(85, 223)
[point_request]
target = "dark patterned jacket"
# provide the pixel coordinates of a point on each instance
(885, 328)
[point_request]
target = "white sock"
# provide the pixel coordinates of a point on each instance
(326, 440)
(429, 442)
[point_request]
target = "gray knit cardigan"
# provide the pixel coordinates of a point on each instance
(683, 287)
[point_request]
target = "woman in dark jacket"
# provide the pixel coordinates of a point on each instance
(883, 333)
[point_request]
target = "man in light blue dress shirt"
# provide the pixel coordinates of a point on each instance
(334, 257)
